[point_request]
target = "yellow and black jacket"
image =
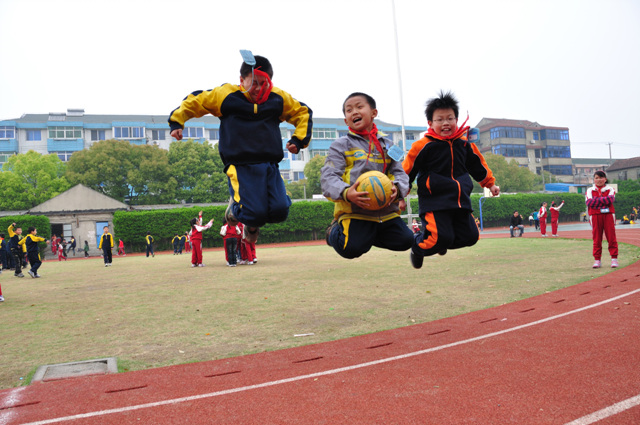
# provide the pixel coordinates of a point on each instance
(249, 133)
(30, 242)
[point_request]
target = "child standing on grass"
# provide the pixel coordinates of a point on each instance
(106, 244)
(196, 239)
(61, 251)
(121, 248)
(149, 240)
(355, 228)
(555, 215)
(86, 249)
(542, 216)
(187, 244)
(33, 251)
(250, 140)
(443, 163)
(602, 216)
(230, 233)
(16, 249)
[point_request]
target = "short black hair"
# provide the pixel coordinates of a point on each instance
(31, 229)
(370, 100)
(601, 173)
(261, 62)
(443, 101)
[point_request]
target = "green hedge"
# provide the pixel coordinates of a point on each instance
(308, 220)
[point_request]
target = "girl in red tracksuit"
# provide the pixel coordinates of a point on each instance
(599, 199)
(542, 215)
(230, 234)
(555, 214)
(196, 239)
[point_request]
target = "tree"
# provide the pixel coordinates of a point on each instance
(30, 179)
(627, 186)
(199, 172)
(297, 190)
(312, 174)
(123, 171)
(510, 176)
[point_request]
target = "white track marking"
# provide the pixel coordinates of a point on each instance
(327, 372)
(607, 411)
(11, 399)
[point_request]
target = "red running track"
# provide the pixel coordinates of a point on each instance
(567, 357)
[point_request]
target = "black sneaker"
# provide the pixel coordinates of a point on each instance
(443, 252)
(416, 259)
(228, 214)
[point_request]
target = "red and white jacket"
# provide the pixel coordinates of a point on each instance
(600, 200)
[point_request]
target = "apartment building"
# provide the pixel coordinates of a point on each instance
(67, 132)
(532, 145)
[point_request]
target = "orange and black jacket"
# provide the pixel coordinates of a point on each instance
(443, 170)
(249, 132)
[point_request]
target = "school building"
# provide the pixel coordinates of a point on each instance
(67, 132)
(532, 145)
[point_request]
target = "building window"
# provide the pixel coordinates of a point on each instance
(285, 175)
(128, 132)
(558, 170)
(4, 157)
(65, 133)
(510, 132)
(321, 152)
(557, 152)
(342, 133)
(215, 134)
(97, 135)
(34, 135)
(64, 156)
(193, 133)
(157, 134)
(510, 150)
(324, 133)
(550, 134)
(7, 132)
(536, 135)
(411, 136)
(298, 175)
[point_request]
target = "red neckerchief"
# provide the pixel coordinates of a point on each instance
(265, 90)
(372, 136)
(458, 134)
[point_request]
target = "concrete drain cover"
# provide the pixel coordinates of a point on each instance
(54, 372)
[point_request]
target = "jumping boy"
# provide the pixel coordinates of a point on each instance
(444, 162)
(33, 251)
(355, 229)
(250, 140)
(106, 244)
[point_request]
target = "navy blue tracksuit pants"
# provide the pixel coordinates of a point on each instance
(259, 194)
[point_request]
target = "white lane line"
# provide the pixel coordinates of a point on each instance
(327, 372)
(607, 412)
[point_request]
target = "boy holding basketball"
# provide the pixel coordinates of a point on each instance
(444, 162)
(358, 224)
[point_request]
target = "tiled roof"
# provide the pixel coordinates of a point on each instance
(623, 164)
(488, 123)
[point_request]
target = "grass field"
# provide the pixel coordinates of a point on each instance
(151, 312)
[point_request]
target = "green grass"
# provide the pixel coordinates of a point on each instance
(151, 312)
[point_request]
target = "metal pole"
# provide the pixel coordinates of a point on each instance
(404, 138)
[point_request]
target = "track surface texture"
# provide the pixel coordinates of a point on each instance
(571, 356)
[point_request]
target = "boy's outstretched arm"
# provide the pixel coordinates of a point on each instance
(299, 115)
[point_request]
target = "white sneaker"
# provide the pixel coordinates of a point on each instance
(32, 274)
(200, 265)
(597, 264)
(193, 265)
(1, 298)
(614, 263)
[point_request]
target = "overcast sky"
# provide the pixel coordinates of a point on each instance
(564, 63)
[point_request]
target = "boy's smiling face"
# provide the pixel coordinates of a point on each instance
(444, 122)
(358, 114)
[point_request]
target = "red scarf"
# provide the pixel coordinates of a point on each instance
(372, 136)
(459, 132)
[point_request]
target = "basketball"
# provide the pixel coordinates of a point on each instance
(378, 186)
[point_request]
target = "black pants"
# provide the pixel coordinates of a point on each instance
(231, 245)
(149, 250)
(34, 260)
(447, 229)
(17, 259)
(352, 237)
(106, 253)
